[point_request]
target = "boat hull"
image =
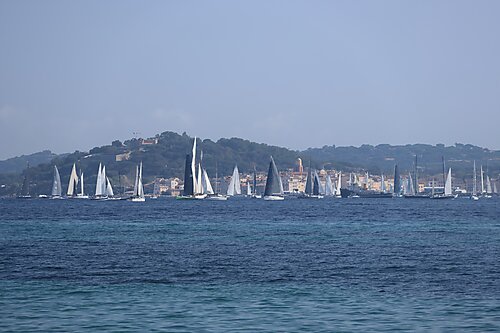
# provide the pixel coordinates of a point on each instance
(346, 193)
(273, 198)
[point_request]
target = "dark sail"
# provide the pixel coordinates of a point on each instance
(188, 177)
(316, 185)
(309, 187)
(397, 180)
(273, 183)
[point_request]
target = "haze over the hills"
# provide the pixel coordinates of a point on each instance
(293, 74)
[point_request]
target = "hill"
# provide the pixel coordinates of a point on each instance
(19, 163)
(164, 156)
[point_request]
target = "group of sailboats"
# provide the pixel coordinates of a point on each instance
(315, 190)
(197, 183)
(103, 189)
(487, 190)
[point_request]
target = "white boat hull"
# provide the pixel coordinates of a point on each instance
(274, 198)
(217, 197)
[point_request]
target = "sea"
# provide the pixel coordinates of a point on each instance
(246, 265)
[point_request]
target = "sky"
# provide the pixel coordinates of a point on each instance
(297, 74)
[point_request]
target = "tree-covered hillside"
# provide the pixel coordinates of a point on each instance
(166, 158)
(382, 158)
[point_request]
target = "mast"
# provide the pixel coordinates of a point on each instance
(254, 180)
(482, 180)
(415, 185)
(444, 172)
(216, 179)
(339, 185)
(474, 180)
(25, 189)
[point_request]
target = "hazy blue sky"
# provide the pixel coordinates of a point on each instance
(78, 74)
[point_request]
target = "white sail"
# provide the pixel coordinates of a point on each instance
(234, 185)
(207, 186)
(56, 185)
(109, 188)
(495, 188)
(329, 186)
(140, 186)
(488, 185)
(447, 186)
(73, 182)
(339, 185)
(411, 188)
(199, 181)
(382, 184)
(249, 189)
(193, 169)
(98, 186)
(103, 180)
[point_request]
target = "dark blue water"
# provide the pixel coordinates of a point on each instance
(250, 265)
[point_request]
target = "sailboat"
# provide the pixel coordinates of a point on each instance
(413, 188)
(205, 184)
(103, 188)
(82, 194)
(382, 184)
(25, 189)
(329, 188)
(138, 195)
(73, 183)
(447, 189)
(192, 188)
(397, 182)
(474, 183)
(249, 189)
(338, 190)
(56, 185)
(274, 186)
(254, 188)
(312, 189)
(484, 190)
(489, 190)
(216, 195)
(234, 187)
